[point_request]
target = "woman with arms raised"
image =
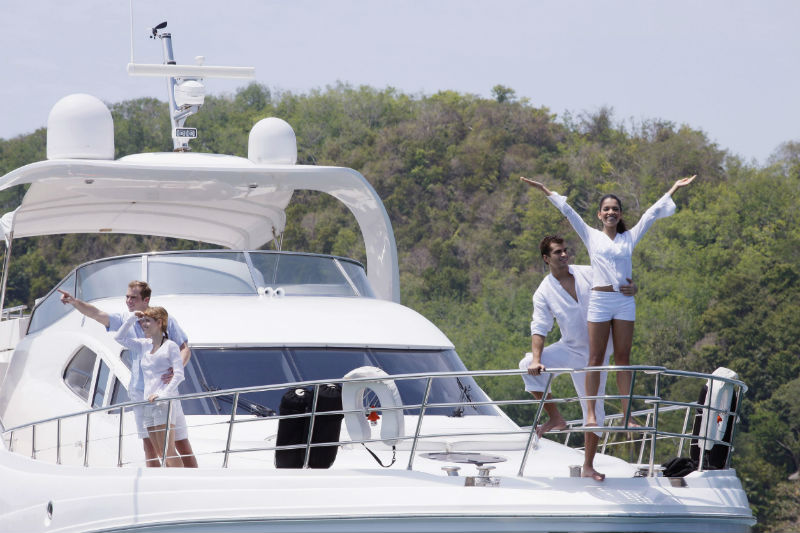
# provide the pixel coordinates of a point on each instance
(610, 252)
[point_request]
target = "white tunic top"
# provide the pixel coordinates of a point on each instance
(552, 301)
(612, 259)
(153, 365)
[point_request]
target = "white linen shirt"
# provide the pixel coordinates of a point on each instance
(612, 259)
(551, 301)
(174, 331)
(152, 365)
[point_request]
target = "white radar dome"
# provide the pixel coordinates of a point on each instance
(272, 141)
(80, 127)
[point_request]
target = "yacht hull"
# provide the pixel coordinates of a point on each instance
(56, 498)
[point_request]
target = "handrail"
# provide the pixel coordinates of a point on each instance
(7, 312)
(651, 434)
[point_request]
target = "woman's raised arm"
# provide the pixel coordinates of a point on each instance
(681, 183)
(537, 185)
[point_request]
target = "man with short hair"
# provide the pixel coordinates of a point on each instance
(137, 298)
(564, 296)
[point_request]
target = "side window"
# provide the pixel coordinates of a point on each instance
(118, 395)
(51, 309)
(78, 375)
(101, 384)
(126, 358)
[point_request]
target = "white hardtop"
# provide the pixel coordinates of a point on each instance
(225, 200)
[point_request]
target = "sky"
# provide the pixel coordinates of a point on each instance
(726, 67)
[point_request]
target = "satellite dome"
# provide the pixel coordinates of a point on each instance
(272, 141)
(80, 127)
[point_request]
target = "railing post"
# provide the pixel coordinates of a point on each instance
(11, 441)
(58, 441)
(86, 442)
(683, 431)
(311, 426)
(419, 423)
(234, 406)
(533, 426)
(630, 398)
(33, 441)
(119, 436)
(642, 441)
(166, 435)
(657, 394)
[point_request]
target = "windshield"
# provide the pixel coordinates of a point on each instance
(222, 272)
(219, 369)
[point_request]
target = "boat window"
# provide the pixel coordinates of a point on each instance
(125, 355)
(106, 279)
(359, 278)
(119, 394)
(215, 369)
(443, 390)
(220, 369)
(78, 374)
(51, 309)
(328, 364)
(101, 384)
(301, 275)
(200, 273)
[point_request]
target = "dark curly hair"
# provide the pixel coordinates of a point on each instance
(544, 246)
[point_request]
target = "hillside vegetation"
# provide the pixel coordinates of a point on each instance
(719, 281)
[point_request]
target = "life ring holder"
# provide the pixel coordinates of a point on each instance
(393, 422)
(719, 395)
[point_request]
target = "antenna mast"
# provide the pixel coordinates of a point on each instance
(186, 95)
(184, 85)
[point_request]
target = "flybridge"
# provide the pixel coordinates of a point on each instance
(185, 87)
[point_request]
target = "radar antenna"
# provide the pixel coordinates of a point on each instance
(186, 95)
(184, 84)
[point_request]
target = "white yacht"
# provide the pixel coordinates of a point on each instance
(414, 445)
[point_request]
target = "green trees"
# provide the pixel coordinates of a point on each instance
(719, 280)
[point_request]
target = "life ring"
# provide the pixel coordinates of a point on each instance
(720, 398)
(392, 423)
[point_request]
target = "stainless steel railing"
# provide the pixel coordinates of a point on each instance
(651, 433)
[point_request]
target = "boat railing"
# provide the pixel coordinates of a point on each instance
(13, 312)
(653, 431)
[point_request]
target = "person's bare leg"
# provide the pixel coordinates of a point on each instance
(555, 419)
(598, 340)
(622, 334)
(150, 455)
(157, 437)
(184, 448)
(589, 451)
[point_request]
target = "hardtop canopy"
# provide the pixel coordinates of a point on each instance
(219, 199)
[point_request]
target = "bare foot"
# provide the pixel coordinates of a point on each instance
(591, 422)
(633, 423)
(588, 471)
(550, 425)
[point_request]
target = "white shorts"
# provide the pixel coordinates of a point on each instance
(607, 306)
(557, 355)
(144, 415)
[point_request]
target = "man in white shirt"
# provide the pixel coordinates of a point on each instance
(137, 298)
(564, 296)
